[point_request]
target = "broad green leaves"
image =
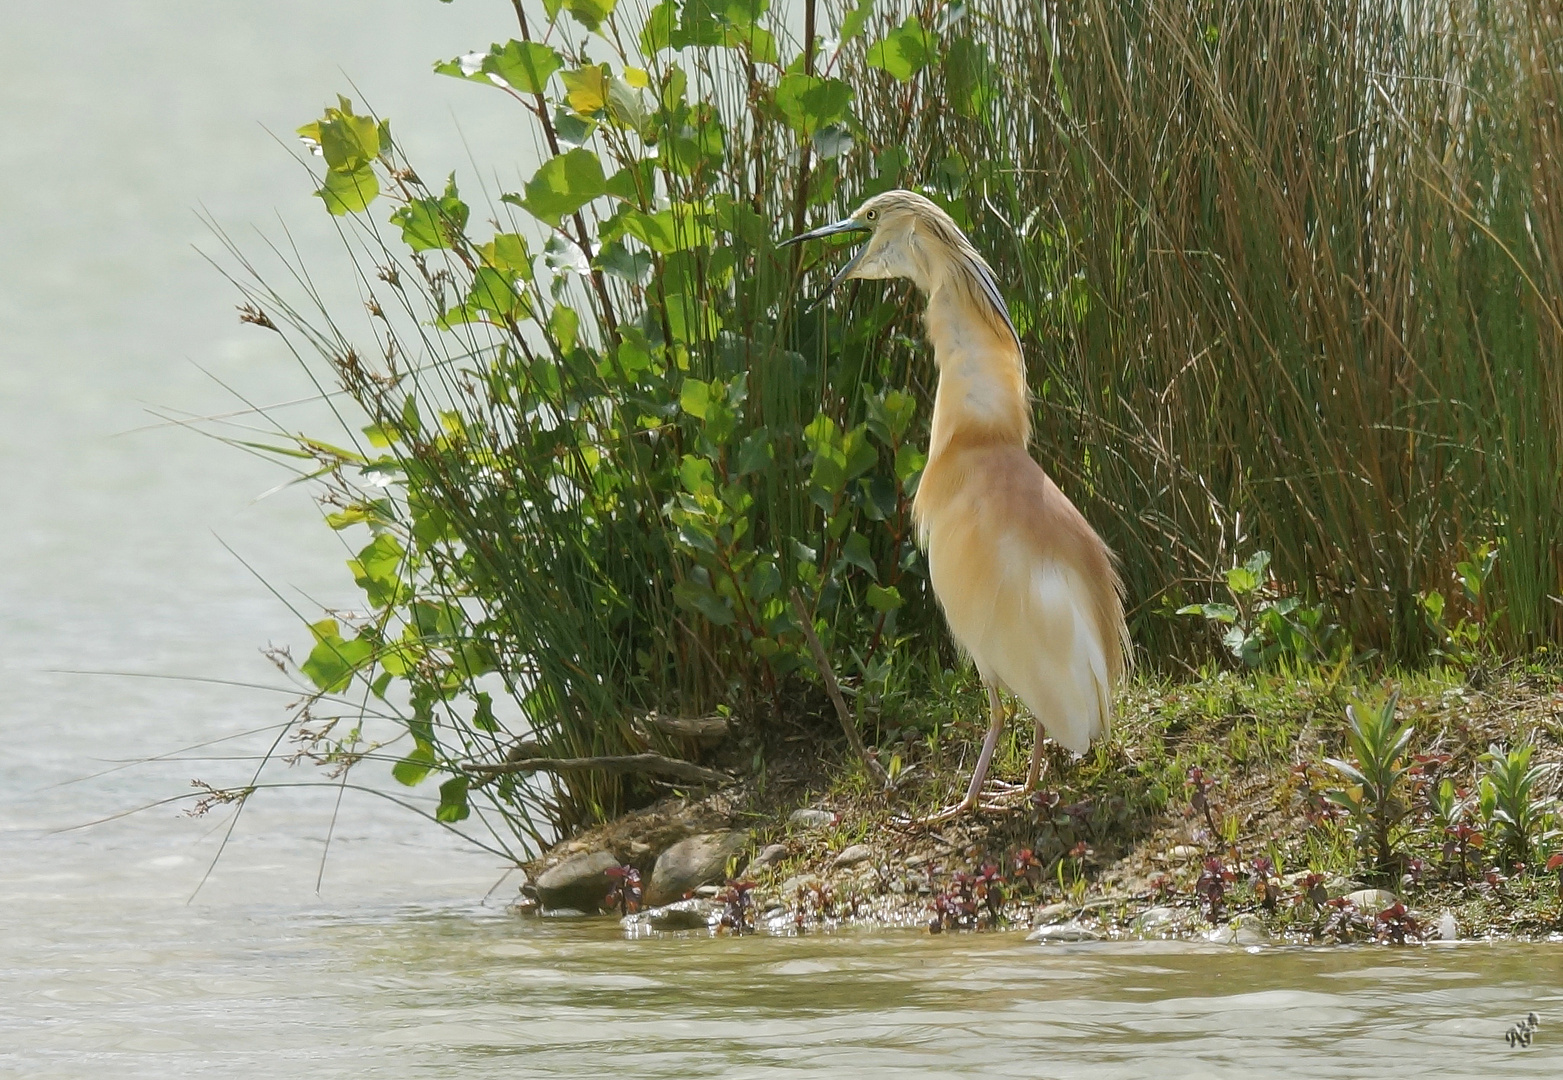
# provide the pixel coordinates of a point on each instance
(809, 103)
(350, 144)
(522, 65)
(432, 223)
(332, 662)
(589, 13)
(563, 185)
(906, 50)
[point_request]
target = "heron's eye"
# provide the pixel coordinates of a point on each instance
(872, 215)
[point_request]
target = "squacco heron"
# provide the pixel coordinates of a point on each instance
(1028, 589)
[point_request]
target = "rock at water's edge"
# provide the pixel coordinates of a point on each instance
(688, 864)
(580, 882)
(1373, 901)
(1069, 931)
(772, 855)
(692, 914)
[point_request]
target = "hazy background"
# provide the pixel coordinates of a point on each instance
(119, 124)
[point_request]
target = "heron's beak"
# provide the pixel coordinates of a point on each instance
(844, 226)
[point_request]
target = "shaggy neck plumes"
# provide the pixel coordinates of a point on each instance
(982, 395)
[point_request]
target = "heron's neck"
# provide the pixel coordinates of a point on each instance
(982, 395)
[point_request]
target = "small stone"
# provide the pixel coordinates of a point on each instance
(693, 914)
(708, 892)
(1336, 886)
(770, 856)
(789, 888)
(1448, 930)
(1053, 913)
(1151, 918)
(1069, 931)
(1373, 901)
(689, 864)
(580, 882)
(857, 853)
(1243, 930)
(1183, 851)
(811, 819)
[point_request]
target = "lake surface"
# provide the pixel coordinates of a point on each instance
(120, 123)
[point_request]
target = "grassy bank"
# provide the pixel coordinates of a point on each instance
(1220, 798)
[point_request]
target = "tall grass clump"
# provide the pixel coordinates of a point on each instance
(1291, 277)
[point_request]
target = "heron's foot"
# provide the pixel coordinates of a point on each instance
(1003, 787)
(957, 810)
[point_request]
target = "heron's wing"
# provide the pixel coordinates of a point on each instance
(1023, 583)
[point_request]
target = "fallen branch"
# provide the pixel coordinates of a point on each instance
(654, 764)
(821, 661)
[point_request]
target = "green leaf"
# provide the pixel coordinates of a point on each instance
(679, 228)
(692, 319)
(453, 801)
(331, 663)
(432, 223)
(349, 192)
(808, 103)
(856, 552)
(564, 326)
(692, 596)
(483, 716)
(906, 50)
(563, 185)
(860, 452)
(909, 462)
(523, 65)
(415, 766)
(694, 397)
(508, 252)
(657, 34)
(755, 452)
(852, 24)
(378, 570)
(622, 263)
(766, 582)
(586, 88)
(493, 292)
(1222, 613)
(348, 142)
(884, 600)
(589, 13)
(697, 475)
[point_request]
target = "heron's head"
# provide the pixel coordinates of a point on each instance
(911, 237)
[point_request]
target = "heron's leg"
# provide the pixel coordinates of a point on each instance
(1034, 771)
(995, 729)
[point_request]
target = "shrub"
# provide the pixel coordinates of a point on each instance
(1376, 796)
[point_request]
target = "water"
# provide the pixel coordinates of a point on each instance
(119, 122)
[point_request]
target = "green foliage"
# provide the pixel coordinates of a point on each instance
(604, 444)
(1512, 802)
(603, 436)
(1376, 795)
(1467, 640)
(1261, 627)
